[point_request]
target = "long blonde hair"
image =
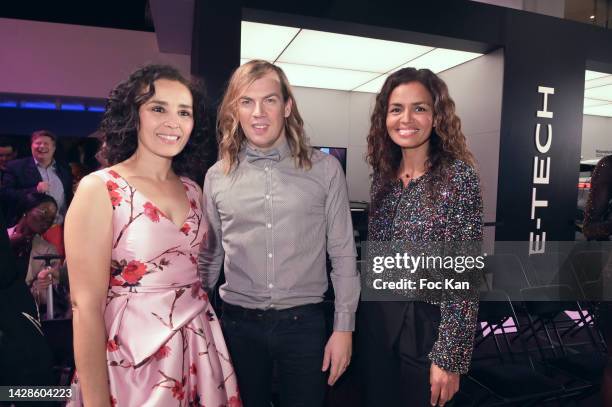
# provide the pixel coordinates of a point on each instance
(230, 133)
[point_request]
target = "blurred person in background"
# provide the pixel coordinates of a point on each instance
(25, 355)
(598, 226)
(82, 158)
(7, 153)
(26, 237)
(39, 173)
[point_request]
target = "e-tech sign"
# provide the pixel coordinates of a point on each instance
(541, 170)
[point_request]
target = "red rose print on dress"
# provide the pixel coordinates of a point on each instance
(114, 174)
(111, 185)
(114, 195)
(193, 204)
(234, 401)
(193, 369)
(115, 282)
(112, 345)
(162, 352)
(186, 229)
(177, 391)
(133, 272)
(152, 212)
(113, 401)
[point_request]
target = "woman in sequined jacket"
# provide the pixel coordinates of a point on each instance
(424, 189)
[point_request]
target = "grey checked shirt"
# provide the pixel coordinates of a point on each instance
(56, 188)
(271, 223)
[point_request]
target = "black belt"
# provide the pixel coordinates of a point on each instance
(238, 312)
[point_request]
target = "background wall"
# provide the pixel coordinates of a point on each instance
(342, 119)
(596, 135)
(476, 88)
(71, 60)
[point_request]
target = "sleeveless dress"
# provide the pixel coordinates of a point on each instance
(165, 346)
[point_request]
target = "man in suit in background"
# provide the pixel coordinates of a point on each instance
(7, 153)
(39, 173)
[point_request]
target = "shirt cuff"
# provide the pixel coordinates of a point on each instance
(344, 321)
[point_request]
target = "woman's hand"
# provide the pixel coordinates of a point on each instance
(18, 237)
(444, 385)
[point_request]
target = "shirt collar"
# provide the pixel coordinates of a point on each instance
(52, 165)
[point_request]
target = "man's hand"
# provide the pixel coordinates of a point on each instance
(337, 353)
(444, 385)
(42, 187)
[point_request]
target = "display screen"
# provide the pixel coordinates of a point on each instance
(338, 152)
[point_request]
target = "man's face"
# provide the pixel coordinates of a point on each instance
(43, 149)
(6, 154)
(262, 112)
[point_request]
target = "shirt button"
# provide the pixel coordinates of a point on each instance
(270, 255)
(271, 305)
(266, 168)
(270, 285)
(267, 196)
(269, 225)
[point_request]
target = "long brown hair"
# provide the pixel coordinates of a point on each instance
(446, 142)
(230, 133)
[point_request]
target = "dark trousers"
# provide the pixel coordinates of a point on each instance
(292, 341)
(393, 360)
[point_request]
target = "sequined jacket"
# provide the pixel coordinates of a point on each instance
(401, 213)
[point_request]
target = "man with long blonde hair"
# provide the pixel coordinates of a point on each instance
(274, 207)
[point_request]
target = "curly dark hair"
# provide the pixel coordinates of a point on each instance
(446, 142)
(119, 127)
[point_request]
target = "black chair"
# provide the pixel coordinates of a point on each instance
(507, 274)
(509, 377)
(582, 362)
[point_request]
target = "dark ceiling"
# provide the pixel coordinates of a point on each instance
(135, 15)
(126, 14)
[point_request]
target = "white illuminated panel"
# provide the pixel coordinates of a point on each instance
(336, 61)
(325, 78)
(601, 81)
(349, 52)
(604, 110)
(441, 59)
(601, 92)
(588, 75)
(264, 41)
(594, 102)
(373, 86)
(437, 60)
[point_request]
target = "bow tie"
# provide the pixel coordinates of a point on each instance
(254, 155)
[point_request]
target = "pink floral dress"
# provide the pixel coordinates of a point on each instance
(165, 346)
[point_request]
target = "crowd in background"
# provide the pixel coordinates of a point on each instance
(37, 180)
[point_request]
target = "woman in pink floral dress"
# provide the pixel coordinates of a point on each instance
(144, 331)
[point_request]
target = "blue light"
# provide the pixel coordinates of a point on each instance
(38, 105)
(8, 103)
(96, 108)
(73, 106)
